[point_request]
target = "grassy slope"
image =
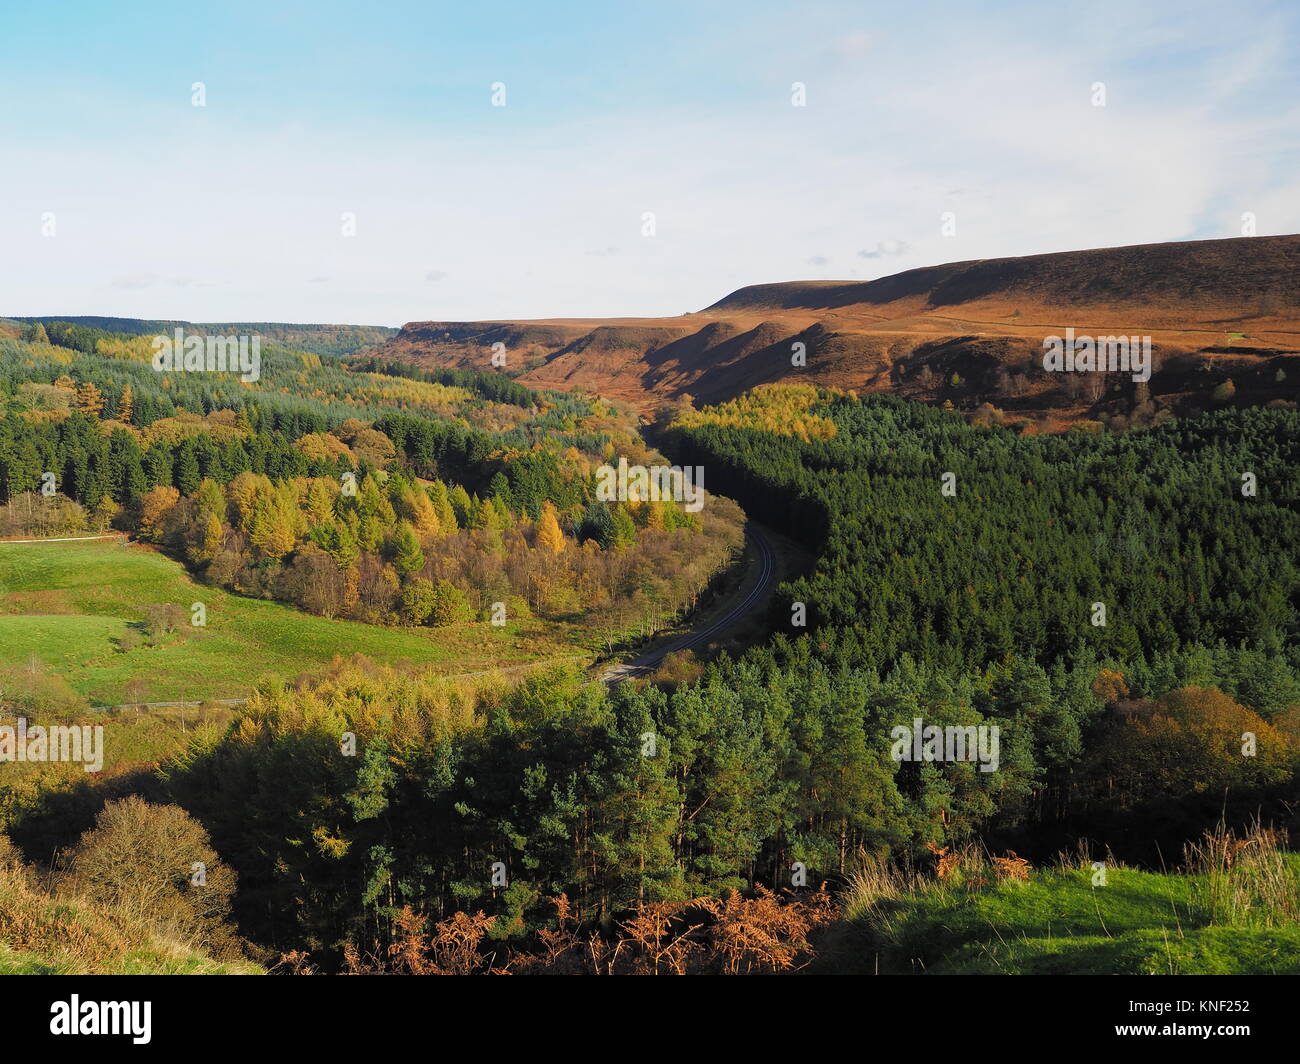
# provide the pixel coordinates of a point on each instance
(1140, 923)
(67, 603)
(44, 935)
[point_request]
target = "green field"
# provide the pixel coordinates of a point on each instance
(1058, 922)
(66, 605)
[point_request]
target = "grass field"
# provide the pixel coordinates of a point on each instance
(1059, 921)
(65, 605)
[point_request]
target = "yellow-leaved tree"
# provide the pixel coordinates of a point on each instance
(548, 530)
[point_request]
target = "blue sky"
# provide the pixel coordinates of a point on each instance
(233, 211)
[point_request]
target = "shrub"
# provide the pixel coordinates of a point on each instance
(145, 861)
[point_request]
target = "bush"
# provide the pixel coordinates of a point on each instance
(34, 514)
(1225, 391)
(450, 606)
(155, 864)
(418, 600)
(161, 618)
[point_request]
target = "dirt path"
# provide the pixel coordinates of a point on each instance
(747, 600)
(66, 539)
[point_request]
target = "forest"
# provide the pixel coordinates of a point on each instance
(405, 519)
(956, 573)
(960, 544)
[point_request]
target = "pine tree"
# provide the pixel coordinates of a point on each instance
(597, 524)
(370, 534)
(408, 558)
(320, 503)
(187, 469)
(374, 503)
(460, 505)
(480, 513)
(623, 529)
(339, 540)
(442, 506)
(502, 518)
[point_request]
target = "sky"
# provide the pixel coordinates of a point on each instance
(350, 165)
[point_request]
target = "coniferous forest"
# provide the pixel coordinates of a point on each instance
(950, 572)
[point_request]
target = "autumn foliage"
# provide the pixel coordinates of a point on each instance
(1191, 741)
(730, 935)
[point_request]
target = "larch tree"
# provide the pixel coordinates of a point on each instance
(89, 399)
(272, 529)
(549, 535)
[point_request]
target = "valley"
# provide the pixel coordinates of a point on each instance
(636, 627)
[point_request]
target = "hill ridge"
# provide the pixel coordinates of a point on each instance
(969, 332)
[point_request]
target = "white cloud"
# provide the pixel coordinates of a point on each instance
(884, 248)
(134, 281)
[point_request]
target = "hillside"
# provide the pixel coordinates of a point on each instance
(1232, 910)
(326, 340)
(45, 935)
(84, 609)
(968, 332)
(55, 930)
